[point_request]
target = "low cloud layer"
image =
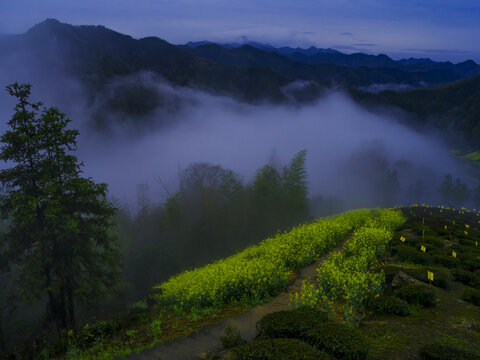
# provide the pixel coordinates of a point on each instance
(350, 149)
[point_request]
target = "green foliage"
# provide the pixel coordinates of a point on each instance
(339, 340)
(259, 271)
(388, 305)
(346, 276)
(435, 241)
(420, 294)
(211, 216)
(445, 260)
(278, 349)
(471, 265)
(453, 195)
(295, 183)
(466, 242)
(156, 327)
(231, 338)
(96, 331)
(440, 278)
(412, 255)
(464, 276)
(390, 272)
(472, 296)
(59, 236)
(283, 193)
(290, 324)
(442, 351)
(138, 307)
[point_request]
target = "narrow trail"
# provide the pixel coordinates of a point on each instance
(206, 341)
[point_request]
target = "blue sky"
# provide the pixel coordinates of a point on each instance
(439, 29)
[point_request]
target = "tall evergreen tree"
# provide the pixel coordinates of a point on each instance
(59, 234)
(446, 190)
(295, 183)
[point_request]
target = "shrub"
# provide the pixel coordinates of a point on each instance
(464, 276)
(470, 254)
(440, 278)
(96, 331)
(231, 338)
(422, 229)
(471, 265)
(445, 260)
(423, 295)
(457, 248)
(476, 281)
(439, 351)
(390, 272)
(290, 324)
(435, 241)
(466, 242)
(411, 254)
(260, 271)
(346, 276)
(278, 349)
(472, 296)
(388, 305)
(339, 340)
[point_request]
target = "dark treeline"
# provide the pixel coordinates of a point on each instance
(212, 215)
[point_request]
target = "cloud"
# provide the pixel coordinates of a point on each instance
(346, 34)
(186, 125)
(349, 148)
(365, 44)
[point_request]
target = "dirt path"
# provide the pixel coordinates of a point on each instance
(206, 341)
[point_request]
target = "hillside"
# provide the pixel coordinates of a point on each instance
(96, 54)
(378, 281)
(452, 108)
(325, 72)
(314, 55)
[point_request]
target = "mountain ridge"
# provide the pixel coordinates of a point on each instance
(96, 54)
(314, 55)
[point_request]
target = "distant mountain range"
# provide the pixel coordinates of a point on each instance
(248, 72)
(255, 72)
(314, 55)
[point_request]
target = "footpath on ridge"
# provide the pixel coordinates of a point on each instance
(206, 341)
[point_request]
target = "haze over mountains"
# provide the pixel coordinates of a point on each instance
(98, 50)
(250, 72)
(237, 105)
(314, 55)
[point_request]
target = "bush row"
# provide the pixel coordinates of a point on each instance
(345, 275)
(259, 271)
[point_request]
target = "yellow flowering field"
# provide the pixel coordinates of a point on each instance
(260, 271)
(345, 275)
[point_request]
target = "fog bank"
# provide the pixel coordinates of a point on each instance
(350, 149)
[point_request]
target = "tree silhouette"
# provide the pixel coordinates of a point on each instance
(59, 237)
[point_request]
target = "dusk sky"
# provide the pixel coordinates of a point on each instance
(439, 29)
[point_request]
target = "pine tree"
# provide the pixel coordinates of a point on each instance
(295, 183)
(446, 190)
(59, 235)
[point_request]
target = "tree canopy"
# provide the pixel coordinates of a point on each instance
(59, 234)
